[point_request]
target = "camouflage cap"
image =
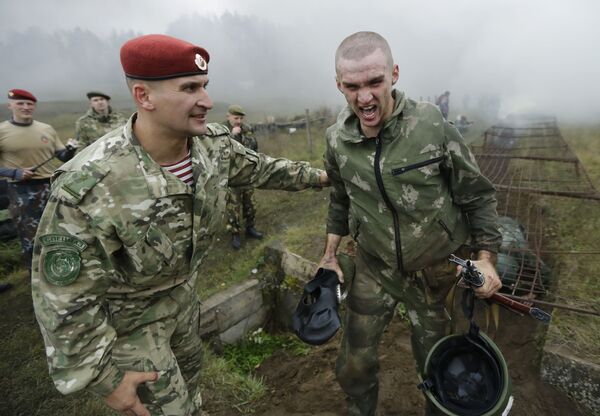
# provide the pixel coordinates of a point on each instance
(93, 94)
(236, 110)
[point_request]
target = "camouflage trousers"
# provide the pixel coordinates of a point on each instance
(374, 294)
(240, 199)
(161, 334)
(27, 202)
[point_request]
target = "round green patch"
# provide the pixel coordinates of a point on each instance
(61, 267)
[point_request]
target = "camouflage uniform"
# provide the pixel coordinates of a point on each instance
(27, 202)
(118, 254)
(243, 199)
(93, 125)
(409, 198)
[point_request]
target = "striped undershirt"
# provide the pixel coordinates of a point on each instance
(182, 169)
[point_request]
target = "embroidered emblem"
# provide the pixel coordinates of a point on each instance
(200, 62)
(62, 263)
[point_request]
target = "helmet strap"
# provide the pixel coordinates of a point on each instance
(468, 307)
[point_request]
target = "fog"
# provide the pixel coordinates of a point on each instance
(541, 56)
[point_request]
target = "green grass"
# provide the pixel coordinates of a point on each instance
(575, 225)
(248, 354)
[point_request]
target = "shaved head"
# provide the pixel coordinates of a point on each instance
(361, 44)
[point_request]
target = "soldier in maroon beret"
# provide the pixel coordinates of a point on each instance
(26, 148)
(129, 222)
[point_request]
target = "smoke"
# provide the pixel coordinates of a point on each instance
(506, 55)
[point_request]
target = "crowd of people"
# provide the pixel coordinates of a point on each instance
(115, 237)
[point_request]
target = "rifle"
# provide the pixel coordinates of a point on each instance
(474, 278)
(36, 167)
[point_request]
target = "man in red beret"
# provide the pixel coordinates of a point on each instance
(129, 221)
(26, 149)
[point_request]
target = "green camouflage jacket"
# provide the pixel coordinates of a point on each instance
(92, 126)
(246, 137)
(118, 226)
(412, 195)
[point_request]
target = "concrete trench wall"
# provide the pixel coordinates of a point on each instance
(229, 315)
(578, 378)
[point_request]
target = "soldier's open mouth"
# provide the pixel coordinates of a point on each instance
(368, 113)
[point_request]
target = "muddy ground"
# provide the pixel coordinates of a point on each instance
(302, 386)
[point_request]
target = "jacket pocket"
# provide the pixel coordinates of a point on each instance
(150, 255)
(417, 165)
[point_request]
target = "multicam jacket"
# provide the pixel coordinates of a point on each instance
(413, 194)
(92, 126)
(118, 226)
(246, 137)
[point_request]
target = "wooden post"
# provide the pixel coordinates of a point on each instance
(308, 136)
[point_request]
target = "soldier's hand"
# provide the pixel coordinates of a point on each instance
(236, 130)
(492, 282)
(324, 179)
(125, 399)
(331, 263)
(72, 143)
(23, 174)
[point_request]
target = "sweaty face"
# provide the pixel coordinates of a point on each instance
(99, 104)
(367, 86)
(22, 110)
(235, 120)
(181, 105)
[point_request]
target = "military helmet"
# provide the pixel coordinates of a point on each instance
(466, 375)
(316, 318)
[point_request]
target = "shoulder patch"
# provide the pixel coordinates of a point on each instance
(76, 184)
(216, 129)
(61, 261)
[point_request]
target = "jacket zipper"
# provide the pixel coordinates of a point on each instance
(388, 203)
(403, 169)
(445, 227)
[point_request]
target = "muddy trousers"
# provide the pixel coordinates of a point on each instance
(237, 200)
(162, 334)
(374, 295)
(27, 202)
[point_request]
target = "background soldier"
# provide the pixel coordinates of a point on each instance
(129, 221)
(404, 184)
(443, 102)
(26, 148)
(243, 199)
(99, 119)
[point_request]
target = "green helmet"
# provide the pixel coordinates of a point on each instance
(466, 375)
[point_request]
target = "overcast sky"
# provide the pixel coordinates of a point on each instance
(535, 55)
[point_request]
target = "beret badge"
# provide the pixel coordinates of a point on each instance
(200, 62)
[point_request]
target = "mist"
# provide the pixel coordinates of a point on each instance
(535, 56)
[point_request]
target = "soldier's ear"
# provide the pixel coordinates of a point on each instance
(141, 96)
(395, 73)
(338, 84)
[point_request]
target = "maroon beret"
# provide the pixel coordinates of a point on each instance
(156, 57)
(17, 94)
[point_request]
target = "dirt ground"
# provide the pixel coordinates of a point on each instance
(302, 386)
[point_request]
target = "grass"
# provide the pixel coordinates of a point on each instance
(247, 355)
(225, 387)
(575, 225)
